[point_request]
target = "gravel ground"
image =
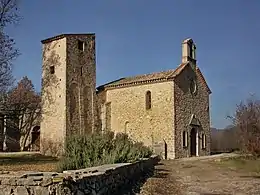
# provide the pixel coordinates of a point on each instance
(200, 176)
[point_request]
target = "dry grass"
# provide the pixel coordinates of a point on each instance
(246, 164)
(27, 161)
(205, 176)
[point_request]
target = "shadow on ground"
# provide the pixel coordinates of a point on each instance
(163, 181)
(135, 188)
(25, 159)
(251, 176)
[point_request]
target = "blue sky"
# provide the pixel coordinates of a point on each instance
(143, 36)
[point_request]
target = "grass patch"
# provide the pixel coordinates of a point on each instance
(244, 163)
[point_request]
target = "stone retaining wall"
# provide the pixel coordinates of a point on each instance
(105, 179)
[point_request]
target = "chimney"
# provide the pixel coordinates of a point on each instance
(189, 51)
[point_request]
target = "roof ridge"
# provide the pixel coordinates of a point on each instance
(144, 78)
(151, 73)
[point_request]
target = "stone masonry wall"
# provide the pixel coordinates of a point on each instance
(106, 179)
(187, 104)
(68, 94)
(53, 123)
(128, 114)
(81, 84)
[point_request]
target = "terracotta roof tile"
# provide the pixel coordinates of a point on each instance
(150, 78)
(164, 75)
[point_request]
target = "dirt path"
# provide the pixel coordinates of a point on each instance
(199, 176)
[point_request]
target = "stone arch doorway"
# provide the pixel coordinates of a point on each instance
(193, 144)
(35, 140)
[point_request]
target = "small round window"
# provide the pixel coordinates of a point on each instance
(193, 87)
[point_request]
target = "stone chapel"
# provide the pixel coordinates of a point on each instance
(168, 110)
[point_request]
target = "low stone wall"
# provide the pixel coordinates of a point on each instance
(105, 179)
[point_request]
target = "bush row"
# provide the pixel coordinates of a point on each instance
(101, 148)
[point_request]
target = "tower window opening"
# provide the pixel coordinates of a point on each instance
(191, 50)
(52, 69)
(80, 45)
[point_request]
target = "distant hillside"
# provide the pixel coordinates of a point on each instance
(224, 140)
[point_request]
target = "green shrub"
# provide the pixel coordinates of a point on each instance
(97, 149)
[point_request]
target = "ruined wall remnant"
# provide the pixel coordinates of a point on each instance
(106, 179)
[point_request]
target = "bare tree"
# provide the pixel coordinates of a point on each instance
(24, 106)
(247, 121)
(8, 52)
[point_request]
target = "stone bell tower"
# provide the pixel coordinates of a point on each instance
(68, 89)
(189, 52)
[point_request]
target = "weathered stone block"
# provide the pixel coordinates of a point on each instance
(46, 182)
(38, 190)
(21, 190)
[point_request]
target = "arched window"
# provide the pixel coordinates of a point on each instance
(203, 141)
(126, 127)
(148, 100)
(184, 139)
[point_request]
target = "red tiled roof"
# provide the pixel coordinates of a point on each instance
(150, 78)
(145, 78)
